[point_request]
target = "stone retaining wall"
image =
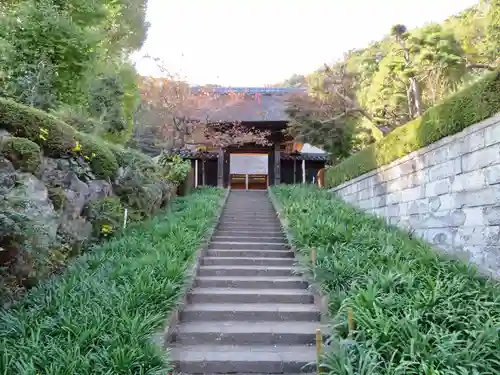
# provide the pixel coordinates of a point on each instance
(448, 193)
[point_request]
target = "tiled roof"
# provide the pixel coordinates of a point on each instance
(249, 90)
(238, 104)
(305, 156)
(188, 154)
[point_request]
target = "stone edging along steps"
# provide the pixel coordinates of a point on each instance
(247, 311)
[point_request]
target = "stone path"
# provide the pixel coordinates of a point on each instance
(248, 312)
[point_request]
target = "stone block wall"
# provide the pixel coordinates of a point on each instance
(448, 193)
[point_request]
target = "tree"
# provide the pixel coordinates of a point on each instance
(407, 70)
(324, 118)
(493, 29)
(71, 56)
(440, 61)
(394, 80)
(168, 105)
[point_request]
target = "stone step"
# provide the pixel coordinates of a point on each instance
(250, 312)
(238, 295)
(249, 217)
(252, 227)
(263, 360)
(251, 211)
(276, 239)
(246, 271)
(250, 214)
(250, 373)
(242, 261)
(226, 220)
(250, 206)
(219, 245)
(292, 282)
(242, 220)
(251, 253)
(246, 333)
(249, 230)
(249, 233)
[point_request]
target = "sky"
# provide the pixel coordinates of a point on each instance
(259, 42)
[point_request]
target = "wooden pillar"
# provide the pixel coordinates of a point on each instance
(294, 170)
(303, 171)
(195, 173)
(277, 165)
(220, 168)
(203, 172)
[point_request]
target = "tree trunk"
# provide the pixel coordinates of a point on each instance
(414, 85)
(410, 102)
(417, 96)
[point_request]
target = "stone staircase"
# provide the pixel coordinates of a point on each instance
(248, 312)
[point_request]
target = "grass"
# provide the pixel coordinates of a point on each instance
(464, 108)
(99, 316)
(415, 311)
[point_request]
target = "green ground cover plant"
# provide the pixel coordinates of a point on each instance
(415, 311)
(466, 107)
(99, 316)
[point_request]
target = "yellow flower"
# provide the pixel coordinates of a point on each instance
(78, 147)
(106, 228)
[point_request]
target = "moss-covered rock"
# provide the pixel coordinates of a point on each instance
(57, 196)
(23, 153)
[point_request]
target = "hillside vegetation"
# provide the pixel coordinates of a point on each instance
(64, 190)
(376, 89)
(68, 99)
(470, 105)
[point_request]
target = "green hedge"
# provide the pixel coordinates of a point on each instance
(57, 139)
(414, 311)
(465, 108)
(23, 153)
(100, 315)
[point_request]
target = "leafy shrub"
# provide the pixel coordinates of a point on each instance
(23, 153)
(100, 157)
(415, 311)
(54, 136)
(106, 215)
(23, 260)
(143, 185)
(465, 108)
(78, 118)
(141, 191)
(130, 157)
(177, 168)
(98, 317)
